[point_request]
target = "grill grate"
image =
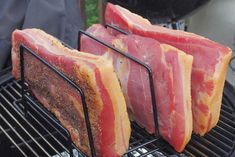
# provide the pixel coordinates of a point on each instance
(39, 135)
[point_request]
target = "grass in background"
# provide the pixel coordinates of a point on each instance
(92, 13)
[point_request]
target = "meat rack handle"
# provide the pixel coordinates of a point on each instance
(149, 70)
(73, 84)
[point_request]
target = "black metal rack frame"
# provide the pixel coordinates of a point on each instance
(141, 142)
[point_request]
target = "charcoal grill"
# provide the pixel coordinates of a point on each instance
(28, 129)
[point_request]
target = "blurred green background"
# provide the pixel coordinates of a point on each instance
(92, 13)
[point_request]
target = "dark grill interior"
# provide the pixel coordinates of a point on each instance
(39, 134)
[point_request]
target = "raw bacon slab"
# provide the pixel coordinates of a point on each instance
(171, 70)
(209, 65)
(95, 75)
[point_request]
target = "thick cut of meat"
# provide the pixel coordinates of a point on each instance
(94, 74)
(209, 65)
(171, 71)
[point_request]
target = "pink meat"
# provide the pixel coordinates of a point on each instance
(209, 65)
(171, 70)
(105, 102)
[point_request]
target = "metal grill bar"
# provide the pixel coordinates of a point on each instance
(31, 141)
(29, 114)
(218, 143)
(201, 142)
(141, 145)
(224, 132)
(187, 153)
(224, 139)
(13, 141)
(21, 126)
(224, 119)
(195, 151)
(227, 109)
(18, 135)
